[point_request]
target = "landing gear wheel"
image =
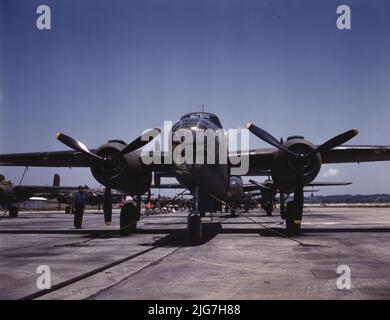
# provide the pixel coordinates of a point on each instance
(195, 229)
(283, 213)
(13, 212)
(293, 223)
(128, 219)
(67, 209)
(268, 209)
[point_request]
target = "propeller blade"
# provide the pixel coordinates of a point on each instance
(76, 145)
(263, 187)
(140, 141)
(265, 136)
(335, 142)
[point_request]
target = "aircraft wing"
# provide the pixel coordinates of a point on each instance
(43, 191)
(345, 154)
(261, 159)
(328, 184)
(248, 187)
(168, 186)
(46, 159)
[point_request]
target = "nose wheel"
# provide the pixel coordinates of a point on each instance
(194, 226)
(128, 218)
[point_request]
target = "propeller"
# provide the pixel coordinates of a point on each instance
(76, 145)
(265, 136)
(301, 158)
(140, 142)
(328, 145)
(137, 143)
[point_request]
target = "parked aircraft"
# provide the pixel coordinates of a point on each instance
(117, 165)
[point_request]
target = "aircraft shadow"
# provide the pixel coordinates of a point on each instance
(180, 238)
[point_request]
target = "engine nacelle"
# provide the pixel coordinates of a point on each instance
(126, 173)
(283, 169)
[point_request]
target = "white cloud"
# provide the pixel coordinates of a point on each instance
(331, 172)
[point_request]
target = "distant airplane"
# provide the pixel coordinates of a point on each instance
(268, 192)
(94, 197)
(117, 165)
(11, 194)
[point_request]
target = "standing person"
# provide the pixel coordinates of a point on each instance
(79, 201)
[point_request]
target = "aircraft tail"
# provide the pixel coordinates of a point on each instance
(56, 180)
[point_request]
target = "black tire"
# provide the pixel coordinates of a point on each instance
(67, 209)
(195, 229)
(293, 224)
(13, 211)
(128, 219)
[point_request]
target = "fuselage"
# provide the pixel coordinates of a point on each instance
(211, 177)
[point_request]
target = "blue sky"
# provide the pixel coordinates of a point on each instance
(110, 69)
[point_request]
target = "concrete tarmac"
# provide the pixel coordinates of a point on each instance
(245, 257)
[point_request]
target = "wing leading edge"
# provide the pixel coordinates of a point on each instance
(260, 160)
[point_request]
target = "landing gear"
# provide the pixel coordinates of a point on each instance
(67, 209)
(194, 221)
(293, 219)
(13, 211)
(128, 218)
(107, 205)
(282, 206)
(269, 208)
(194, 226)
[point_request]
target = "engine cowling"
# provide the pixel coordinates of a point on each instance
(284, 167)
(126, 173)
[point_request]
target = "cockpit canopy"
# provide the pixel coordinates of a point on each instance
(204, 115)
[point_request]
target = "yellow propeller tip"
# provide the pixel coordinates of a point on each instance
(157, 129)
(355, 130)
(58, 135)
(108, 223)
(248, 125)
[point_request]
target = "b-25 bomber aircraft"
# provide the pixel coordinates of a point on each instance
(11, 193)
(117, 165)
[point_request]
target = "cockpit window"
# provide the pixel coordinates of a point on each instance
(204, 115)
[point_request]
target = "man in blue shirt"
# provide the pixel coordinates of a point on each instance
(78, 206)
